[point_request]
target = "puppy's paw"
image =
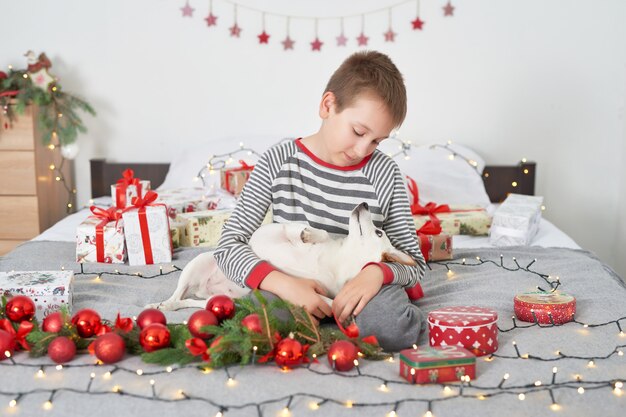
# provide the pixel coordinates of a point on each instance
(311, 235)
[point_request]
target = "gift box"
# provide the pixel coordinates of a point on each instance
(176, 232)
(516, 221)
(233, 179)
(50, 290)
(437, 364)
(474, 328)
(127, 188)
(545, 307)
(189, 200)
(434, 245)
(449, 226)
(147, 232)
(100, 238)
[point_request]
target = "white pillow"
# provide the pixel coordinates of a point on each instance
(441, 179)
(185, 167)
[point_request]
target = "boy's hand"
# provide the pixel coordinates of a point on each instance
(298, 291)
(357, 292)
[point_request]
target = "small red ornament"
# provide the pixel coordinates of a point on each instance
(3, 75)
(341, 355)
(222, 306)
(53, 323)
(149, 316)
(289, 353)
(61, 349)
(7, 344)
(20, 308)
(109, 348)
(87, 322)
(154, 336)
(252, 322)
(200, 319)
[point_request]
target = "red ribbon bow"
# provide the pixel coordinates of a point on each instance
(198, 347)
(106, 215)
(128, 179)
(24, 328)
(140, 203)
(430, 208)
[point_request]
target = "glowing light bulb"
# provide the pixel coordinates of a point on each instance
(522, 396)
(581, 390)
(47, 405)
(139, 372)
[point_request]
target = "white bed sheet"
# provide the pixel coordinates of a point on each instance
(548, 235)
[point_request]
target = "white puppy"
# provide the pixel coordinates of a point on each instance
(296, 249)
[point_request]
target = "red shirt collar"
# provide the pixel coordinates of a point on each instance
(317, 160)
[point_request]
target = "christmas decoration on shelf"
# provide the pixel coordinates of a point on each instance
(316, 43)
(57, 117)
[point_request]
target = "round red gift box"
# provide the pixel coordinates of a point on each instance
(474, 328)
(560, 306)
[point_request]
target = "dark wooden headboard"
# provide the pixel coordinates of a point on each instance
(500, 180)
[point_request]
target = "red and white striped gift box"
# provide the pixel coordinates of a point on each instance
(471, 327)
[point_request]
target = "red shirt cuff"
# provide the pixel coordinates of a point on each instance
(258, 274)
(387, 272)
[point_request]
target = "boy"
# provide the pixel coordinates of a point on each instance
(318, 180)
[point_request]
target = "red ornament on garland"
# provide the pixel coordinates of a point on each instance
(154, 336)
(289, 353)
(252, 322)
(109, 348)
(61, 349)
(222, 306)
(87, 322)
(200, 319)
(341, 355)
(149, 316)
(53, 323)
(7, 344)
(20, 308)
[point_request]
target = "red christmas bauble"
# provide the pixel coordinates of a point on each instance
(61, 349)
(149, 316)
(53, 323)
(87, 322)
(222, 306)
(252, 322)
(109, 348)
(341, 355)
(3, 75)
(198, 320)
(7, 344)
(289, 353)
(20, 308)
(154, 336)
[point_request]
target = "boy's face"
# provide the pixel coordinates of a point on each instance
(356, 131)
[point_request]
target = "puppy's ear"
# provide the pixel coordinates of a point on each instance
(397, 256)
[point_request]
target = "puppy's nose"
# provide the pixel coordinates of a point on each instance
(363, 205)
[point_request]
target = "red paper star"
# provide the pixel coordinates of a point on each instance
(362, 39)
(417, 23)
(448, 9)
(187, 10)
(316, 45)
(341, 40)
(235, 30)
(211, 20)
(263, 37)
(390, 35)
(288, 43)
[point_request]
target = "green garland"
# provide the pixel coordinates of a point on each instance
(57, 115)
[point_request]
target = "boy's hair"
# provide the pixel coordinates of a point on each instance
(369, 72)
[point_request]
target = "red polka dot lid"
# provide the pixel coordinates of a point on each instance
(462, 316)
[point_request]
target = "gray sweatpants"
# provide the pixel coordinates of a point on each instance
(390, 316)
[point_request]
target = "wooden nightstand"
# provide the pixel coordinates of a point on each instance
(31, 200)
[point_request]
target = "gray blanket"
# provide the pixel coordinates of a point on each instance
(266, 390)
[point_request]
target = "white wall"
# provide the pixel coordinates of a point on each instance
(512, 79)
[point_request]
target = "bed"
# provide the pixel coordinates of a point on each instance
(574, 369)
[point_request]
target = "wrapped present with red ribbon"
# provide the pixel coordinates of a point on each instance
(190, 200)
(455, 220)
(127, 188)
(147, 231)
(100, 238)
(50, 290)
(433, 365)
(233, 179)
(435, 246)
(474, 328)
(545, 307)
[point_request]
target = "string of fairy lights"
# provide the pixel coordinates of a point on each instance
(466, 389)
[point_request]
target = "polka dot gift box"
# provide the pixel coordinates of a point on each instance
(474, 328)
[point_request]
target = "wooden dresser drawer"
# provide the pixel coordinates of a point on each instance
(18, 137)
(7, 246)
(17, 173)
(19, 217)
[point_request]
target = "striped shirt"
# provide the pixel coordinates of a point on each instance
(299, 187)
